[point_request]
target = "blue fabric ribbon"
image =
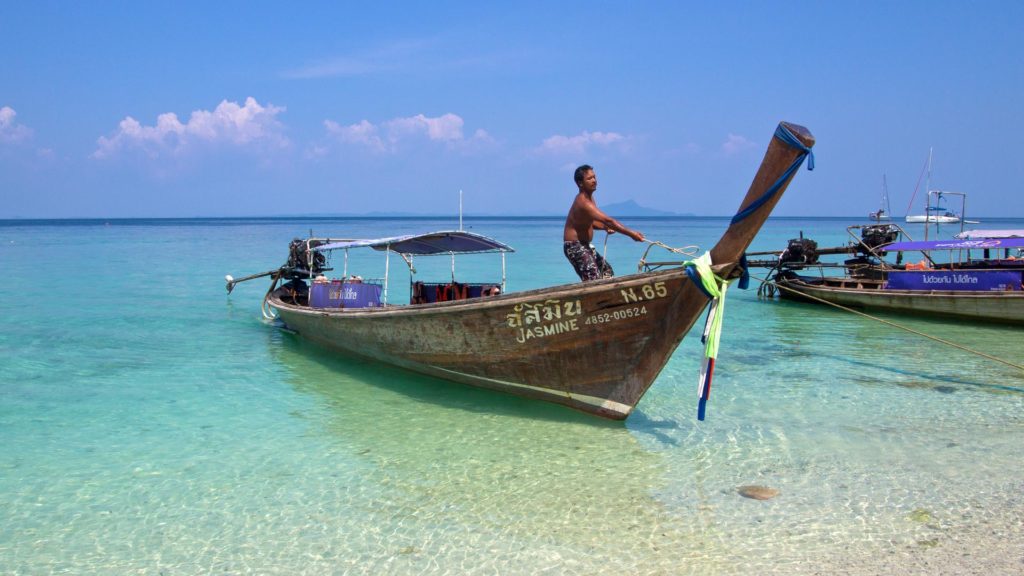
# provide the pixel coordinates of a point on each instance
(744, 282)
(782, 133)
(694, 275)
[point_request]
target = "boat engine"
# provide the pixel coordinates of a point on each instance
(800, 251)
(303, 262)
(872, 237)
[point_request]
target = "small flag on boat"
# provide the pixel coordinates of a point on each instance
(712, 335)
(707, 369)
(714, 288)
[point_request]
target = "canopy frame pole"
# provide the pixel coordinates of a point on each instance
(503, 272)
(309, 255)
(453, 266)
(412, 271)
(387, 269)
(344, 272)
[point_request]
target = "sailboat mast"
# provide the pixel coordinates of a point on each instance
(928, 194)
(885, 196)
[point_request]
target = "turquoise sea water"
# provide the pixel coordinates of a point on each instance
(150, 424)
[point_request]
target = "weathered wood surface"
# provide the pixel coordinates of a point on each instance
(594, 346)
(1003, 307)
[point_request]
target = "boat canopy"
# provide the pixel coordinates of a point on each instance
(446, 242)
(976, 234)
(962, 244)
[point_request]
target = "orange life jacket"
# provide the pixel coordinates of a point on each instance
(444, 292)
(459, 291)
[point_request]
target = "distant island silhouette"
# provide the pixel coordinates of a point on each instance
(631, 208)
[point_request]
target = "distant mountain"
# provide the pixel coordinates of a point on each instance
(631, 208)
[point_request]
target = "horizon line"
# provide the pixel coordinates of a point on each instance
(409, 216)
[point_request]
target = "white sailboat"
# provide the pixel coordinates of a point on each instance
(883, 209)
(934, 211)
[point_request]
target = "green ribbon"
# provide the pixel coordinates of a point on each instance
(714, 287)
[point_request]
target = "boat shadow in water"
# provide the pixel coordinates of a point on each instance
(641, 423)
(333, 371)
(872, 351)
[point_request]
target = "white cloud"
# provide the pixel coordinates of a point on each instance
(229, 124)
(389, 135)
(443, 128)
(578, 144)
(481, 136)
(362, 133)
(735, 143)
(10, 131)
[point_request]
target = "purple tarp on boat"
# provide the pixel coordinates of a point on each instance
(336, 294)
(359, 295)
(955, 244)
(968, 280)
(975, 234)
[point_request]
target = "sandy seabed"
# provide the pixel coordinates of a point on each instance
(982, 550)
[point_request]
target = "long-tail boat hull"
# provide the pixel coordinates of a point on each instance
(1006, 307)
(595, 346)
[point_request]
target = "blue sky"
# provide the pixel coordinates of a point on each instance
(152, 109)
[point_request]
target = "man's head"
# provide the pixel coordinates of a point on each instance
(581, 173)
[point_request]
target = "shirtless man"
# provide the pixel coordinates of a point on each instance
(584, 216)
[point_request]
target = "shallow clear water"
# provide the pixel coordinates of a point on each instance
(151, 424)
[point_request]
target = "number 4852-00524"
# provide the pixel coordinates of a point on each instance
(616, 315)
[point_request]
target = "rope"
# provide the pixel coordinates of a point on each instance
(782, 133)
(916, 187)
(690, 250)
(894, 325)
(265, 309)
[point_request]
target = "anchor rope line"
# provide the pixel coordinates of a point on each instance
(894, 324)
(685, 250)
(689, 251)
(714, 287)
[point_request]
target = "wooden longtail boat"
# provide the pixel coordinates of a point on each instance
(950, 282)
(595, 346)
(1002, 306)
